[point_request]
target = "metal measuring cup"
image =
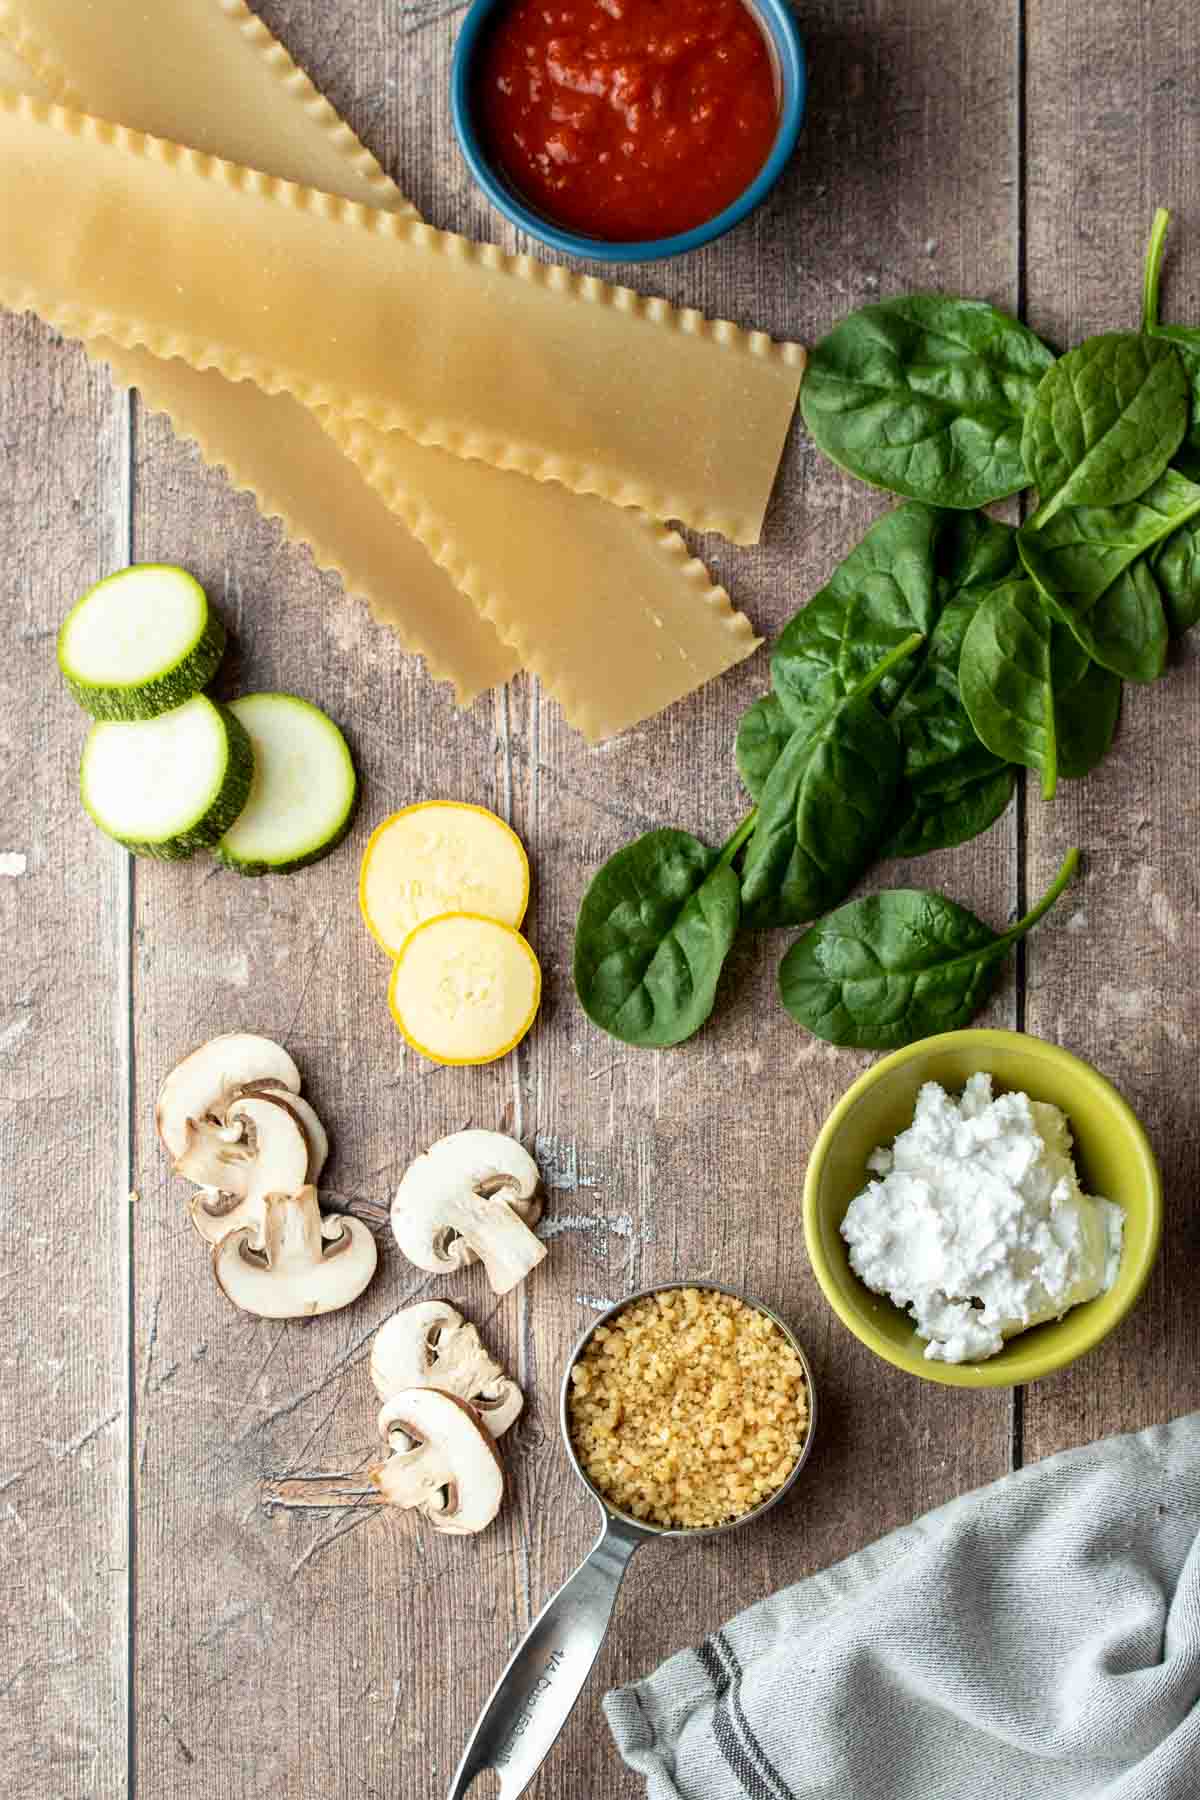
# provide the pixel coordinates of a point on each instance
(533, 1699)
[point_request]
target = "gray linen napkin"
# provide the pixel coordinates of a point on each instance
(1038, 1638)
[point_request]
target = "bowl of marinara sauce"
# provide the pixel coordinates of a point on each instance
(627, 130)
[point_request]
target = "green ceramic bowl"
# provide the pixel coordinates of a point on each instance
(1112, 1154)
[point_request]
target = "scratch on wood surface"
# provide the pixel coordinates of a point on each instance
(322, 1490)
(421, 19)
(217, 1630)
(311, 971)
(607, 1069)
(64, 1605)
(337, 1367)
(144, 1383)
(8, 1683)
(392, 1722)
(72, 1446)
(357, 1518)
(262, 1369)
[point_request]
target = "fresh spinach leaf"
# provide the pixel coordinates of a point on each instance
(1081, 551)
(1105, 422)
(925, 395)
(941, 747)
(653, 932)
(952, 786)
(762, 734)
(883, 592)
(938, 819)
(1176, 565)
(824, 807)
(1185, 338)
(1012, 661)
(1085, 718)
(1124, 629)
(823, 812)
(899, 966)
(974, 552)
(1090, 567)
(917, 569)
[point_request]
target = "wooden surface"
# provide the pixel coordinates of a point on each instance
(167, 1629)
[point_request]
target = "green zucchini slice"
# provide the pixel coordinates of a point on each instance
(169, 785)
(302, 798)
(140, 643)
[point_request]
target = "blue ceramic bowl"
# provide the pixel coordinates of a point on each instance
(787, 55)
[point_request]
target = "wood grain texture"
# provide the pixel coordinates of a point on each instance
(65, 1201)
(1114, 131)
(320, 1653)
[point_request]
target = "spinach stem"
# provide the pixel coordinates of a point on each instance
(870, 682)
(730, 849)
(1150, 281)
(1061, 880)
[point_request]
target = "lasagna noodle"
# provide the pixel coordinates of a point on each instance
(384, 319)
(205, 71)
(266, 444)
(619, 579)
(642, 622)
(622, 580)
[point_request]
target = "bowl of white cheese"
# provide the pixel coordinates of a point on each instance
(982, 1208)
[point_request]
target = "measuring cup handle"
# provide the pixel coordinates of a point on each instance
(534, 1697)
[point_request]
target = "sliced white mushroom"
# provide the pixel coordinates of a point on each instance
(270, 1155)
(449, 1471)
(458, 1203)
(314, 1131)
(205, 1083)
(301, 1265)
(431, 1345)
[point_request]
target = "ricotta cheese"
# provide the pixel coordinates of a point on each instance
(977, 1223)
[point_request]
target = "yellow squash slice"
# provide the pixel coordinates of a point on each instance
(441, 856)
(464, 989)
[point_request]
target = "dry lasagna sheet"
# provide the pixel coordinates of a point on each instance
(620, 578)
(629, 611)
(266, 444)
(498, 358)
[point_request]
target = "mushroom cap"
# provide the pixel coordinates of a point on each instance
(451, 1472)
(458, 1203)
(431, 1345)
(272, 1156)
(301, 1265)
(202, 1085)
(306, 1116)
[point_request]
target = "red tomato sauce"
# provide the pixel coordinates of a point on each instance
(627, 119)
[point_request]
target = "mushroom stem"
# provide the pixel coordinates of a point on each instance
(299, 1264)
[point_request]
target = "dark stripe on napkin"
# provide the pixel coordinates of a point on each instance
(736, 1742)
(770, 1773)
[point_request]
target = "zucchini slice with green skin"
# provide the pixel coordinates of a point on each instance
(169, 785)
(304, 791)
(140, 643)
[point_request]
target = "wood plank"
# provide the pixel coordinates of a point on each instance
(1111, 976)
(691, 1161)
(258, 1625)
(279, 1648)
(63, 1147)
